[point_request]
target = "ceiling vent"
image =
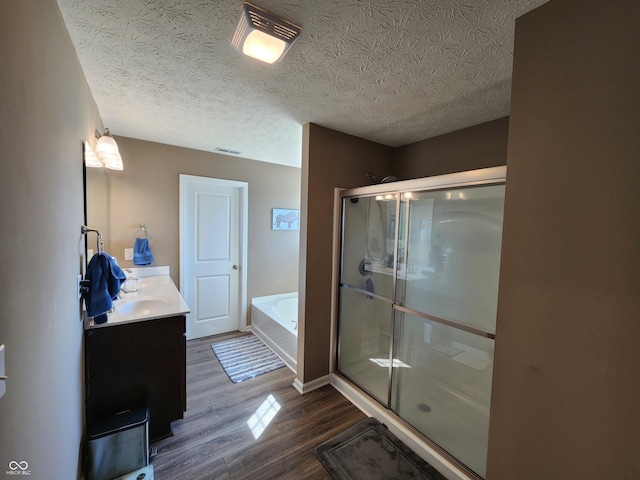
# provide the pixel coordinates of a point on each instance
(227, 151)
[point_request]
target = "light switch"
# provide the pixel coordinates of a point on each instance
(3, 380)
(128, 253)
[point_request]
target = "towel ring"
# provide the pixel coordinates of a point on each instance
(142, 231)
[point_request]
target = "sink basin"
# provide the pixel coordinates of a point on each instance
(144, 306)
(156, 297)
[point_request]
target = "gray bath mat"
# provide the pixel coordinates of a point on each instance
(245, 357)
(369, 451)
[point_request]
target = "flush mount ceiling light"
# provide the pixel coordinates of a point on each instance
(107, 150)
(262, 35)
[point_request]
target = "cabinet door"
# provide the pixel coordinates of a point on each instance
(136, 365)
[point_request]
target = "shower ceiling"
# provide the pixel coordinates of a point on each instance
(390, 71)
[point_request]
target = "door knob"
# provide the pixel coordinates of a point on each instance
(236, 267)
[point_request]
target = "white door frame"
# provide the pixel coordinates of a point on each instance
(243, 188)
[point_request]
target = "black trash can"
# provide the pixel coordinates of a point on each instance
(118, 444)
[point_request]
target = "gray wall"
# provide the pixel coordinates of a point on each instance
(46, 110)
(566, 390)
(147, 191)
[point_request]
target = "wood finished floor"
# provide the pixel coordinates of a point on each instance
(213, 440)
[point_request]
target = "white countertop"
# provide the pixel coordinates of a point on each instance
(156, 297)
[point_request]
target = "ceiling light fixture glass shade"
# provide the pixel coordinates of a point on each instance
(263, 47)
(262, 35)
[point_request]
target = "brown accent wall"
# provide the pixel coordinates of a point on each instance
(330, 160)
(46, 110)
(147, 191)
(566, 390)
(480, 146)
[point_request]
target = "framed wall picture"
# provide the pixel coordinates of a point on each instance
(285, 219)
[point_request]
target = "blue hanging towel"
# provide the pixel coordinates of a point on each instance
(141, 252)
(105, 279)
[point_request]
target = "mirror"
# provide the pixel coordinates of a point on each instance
(96, 198)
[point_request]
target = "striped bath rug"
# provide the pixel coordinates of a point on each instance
(245, 357)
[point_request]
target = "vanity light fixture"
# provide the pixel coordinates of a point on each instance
(91, 158)
(262, 35)
(107, 150)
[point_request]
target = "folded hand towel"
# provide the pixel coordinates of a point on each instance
(105, 277)
(141, 252)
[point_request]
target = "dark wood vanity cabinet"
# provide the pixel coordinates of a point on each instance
(135, 365)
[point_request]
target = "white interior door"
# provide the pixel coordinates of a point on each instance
(210, 243)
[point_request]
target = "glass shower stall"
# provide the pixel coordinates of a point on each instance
(417, 296)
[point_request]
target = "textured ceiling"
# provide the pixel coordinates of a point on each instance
(391, 71)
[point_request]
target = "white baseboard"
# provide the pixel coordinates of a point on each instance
(304, 388)
(373, 409)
